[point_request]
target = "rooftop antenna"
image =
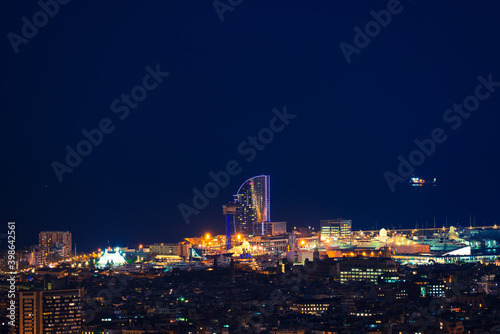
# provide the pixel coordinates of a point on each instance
(470, 220)
(434, 222)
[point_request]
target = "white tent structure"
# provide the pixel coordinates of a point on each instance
(113, 258)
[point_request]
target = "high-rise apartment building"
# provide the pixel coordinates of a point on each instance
(253, 198)
(51, 311)
(56, 238)
(335, 228)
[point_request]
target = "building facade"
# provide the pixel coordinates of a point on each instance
(269, 228)
(52, 311)
(166, 249)
(311, 307)
(38, 256)
(254, 199)
(276, 244)
(62, 239)
(335, 228)
(368, 269)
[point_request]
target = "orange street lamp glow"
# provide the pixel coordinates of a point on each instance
(302, 242)
(238, 236)
(207, 236)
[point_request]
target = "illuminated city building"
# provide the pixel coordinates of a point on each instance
(312, 307)
(38, 256)
(254, 198)
(269, 228)
(53, 238)
(368, 269)
(433, 290)
(166, 249)
(52, 311)
(178, 249)
(335, 228)
(270, 244)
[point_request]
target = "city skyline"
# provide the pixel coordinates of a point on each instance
(231, 166)
(106, 131)
(244, 192)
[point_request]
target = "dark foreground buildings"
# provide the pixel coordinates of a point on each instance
(52, 311)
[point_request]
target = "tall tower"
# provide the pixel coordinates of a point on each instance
(231, 211)
(254, 198)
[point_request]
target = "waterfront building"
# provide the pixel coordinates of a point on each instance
(253, 197)
(335, 228)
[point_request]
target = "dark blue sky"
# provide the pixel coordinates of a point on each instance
(353, 120)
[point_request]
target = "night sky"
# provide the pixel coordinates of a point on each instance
(353, 119)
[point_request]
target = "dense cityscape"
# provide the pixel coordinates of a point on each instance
(237, 166)
(263, 276)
